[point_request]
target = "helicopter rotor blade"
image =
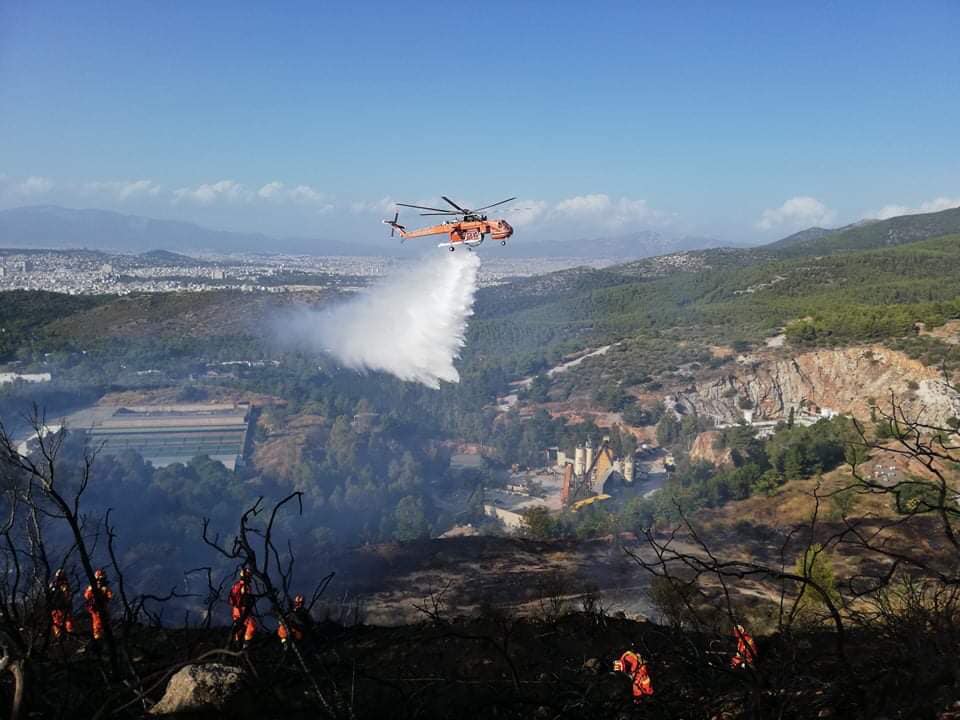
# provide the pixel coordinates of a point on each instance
(463, 211)
(487, 207)
(440, 213)
(422, 207)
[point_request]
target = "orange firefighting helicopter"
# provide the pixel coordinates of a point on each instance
(470, 229)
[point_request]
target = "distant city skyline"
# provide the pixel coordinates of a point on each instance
(741, 122)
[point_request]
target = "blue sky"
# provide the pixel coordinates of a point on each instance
(744, 121)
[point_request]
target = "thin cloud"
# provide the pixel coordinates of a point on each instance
(589, 213)
(270, 190)
(798, 212)
(25, 188)
(383, 206)
(306, 195)
(122, 190)
(278, 192)
(210, 193)
(524, 213)
(600, 210)
(928, 206)
(584, 204)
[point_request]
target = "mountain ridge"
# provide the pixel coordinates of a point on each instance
(869, 234)
(56, 227)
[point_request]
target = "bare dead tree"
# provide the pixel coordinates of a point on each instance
(254, 547)
(10, 662)
(673, 561)
(58, 499)
(434, 607)
(927, 502)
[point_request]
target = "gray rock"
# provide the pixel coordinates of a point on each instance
(202, 688)
(592, 666)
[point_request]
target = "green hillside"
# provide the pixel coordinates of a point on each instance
(871, 235)
(854, 296)
(25, 314)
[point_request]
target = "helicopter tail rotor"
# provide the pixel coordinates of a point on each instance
(394, 225)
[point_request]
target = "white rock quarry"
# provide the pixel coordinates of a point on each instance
(845, 380)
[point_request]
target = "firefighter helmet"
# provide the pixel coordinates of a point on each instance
(100, 574)
(59, 574)
(245, 572)
(298, 601)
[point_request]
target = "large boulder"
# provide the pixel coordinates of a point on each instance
(207, 688)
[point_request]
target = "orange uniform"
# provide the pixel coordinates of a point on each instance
(746, 649)
(241, 609)
(294, 622)
(61, 605)
(98, 619)
(633, 665)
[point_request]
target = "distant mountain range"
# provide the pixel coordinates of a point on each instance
(49, 226)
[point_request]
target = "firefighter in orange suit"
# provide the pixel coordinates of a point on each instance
(61, 604)
(98, 619)
(746, 652)
(242, 602)
(295, 624)
(633, 665)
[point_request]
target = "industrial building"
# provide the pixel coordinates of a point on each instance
(166, 434)
(594, 473)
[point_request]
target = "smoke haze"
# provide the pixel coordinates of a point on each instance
(410, 325)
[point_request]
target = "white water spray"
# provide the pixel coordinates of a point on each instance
(410, 325)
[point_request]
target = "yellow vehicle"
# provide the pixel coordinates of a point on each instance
(588, 501)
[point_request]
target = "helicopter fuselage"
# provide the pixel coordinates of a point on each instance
(470, 232)
(470, 229)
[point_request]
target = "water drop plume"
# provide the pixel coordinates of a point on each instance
(411, 324)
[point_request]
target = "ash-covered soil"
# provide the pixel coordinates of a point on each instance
(500, 666)
(390, 581)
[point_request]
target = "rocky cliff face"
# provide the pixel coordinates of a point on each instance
(704, 448)
(845, 381)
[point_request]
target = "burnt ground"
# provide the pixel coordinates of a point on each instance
(385, 584)
(515, 574)
(498, 666)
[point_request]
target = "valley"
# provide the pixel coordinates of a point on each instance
(746, 372)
